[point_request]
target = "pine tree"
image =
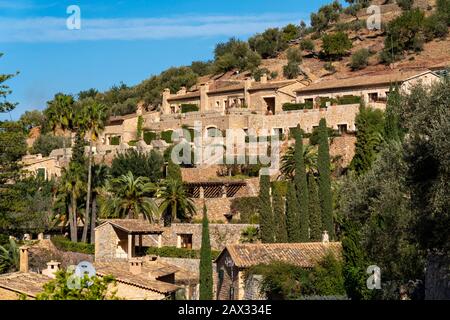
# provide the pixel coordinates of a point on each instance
(206, 273)
(292, 210)
(301, 187)
(266, 220)
(323, 166)
(279, 215)
(315, 221)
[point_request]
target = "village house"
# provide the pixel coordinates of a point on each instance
(373, 88)
(234, 260)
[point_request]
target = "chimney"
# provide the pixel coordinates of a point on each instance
(24, 264)
(135, 266)
(52, 268)
(325, 238)
(182, 91)
(264, 78)
(165, 102)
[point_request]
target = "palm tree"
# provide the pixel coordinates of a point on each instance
(60, 115)
(175, 202)
(287, 168)
(99, 176)
(128, 196)
(72, 183)
(90, 121)
(9, 257)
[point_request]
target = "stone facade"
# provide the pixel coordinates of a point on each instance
(221, 235)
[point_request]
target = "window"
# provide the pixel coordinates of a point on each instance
(373, 96)
(186, 241)
(311, 100)
(342, 128)
(217, 104)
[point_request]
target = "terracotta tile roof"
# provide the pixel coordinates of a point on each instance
(30, 283)
(230, 88)
(271, 85)
(134, 226)
(151, 271)
(305, 255)
(362, 81)
(195, 94)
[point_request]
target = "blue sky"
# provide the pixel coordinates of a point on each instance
(124, 41)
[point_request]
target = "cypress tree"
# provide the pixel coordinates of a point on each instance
(392, 129)
(206, 274)
(279, 215)
(266, 220)
(301, 187)
(323, 166)
(292, 210)
(315, 221)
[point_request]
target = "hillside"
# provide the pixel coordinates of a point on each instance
(434, 54)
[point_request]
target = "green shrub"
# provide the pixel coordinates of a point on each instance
(405, 32)
(435, 27)
(149, 136)
(257, 74)
(132, 143)
(291, 70)
(349, 100)
(167, 136)
(185, 108)
(297, 106)
(405, 4)
(307, 44)
(114, 141)
(335, 45)
(174, 252)
(360, 59)
(65, 244)
(294, 55)
(247, 207)
(46, 143)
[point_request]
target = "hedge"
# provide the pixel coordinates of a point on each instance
(167, 136)
(185, 108)
(133, 143)
(149, 136)
(297, 106)
(174, 252)
(65, 244)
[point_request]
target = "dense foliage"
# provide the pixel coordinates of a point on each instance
(141, 164)
(206, 272)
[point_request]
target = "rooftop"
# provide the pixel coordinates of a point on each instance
(147, 279)
(366, 80)
(30, 284)
(304, 255)
(134, 226)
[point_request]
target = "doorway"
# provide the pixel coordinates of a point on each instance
(270, 103)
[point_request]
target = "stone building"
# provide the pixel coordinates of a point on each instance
(234, 260)
(45, 167)
(124, 239)
(373, 88)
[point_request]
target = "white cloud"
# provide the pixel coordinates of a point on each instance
(50, 29)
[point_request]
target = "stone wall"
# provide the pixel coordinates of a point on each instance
(221, 235)
(9, 295)
(343, 146)
(217, 208)
(252, 288)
